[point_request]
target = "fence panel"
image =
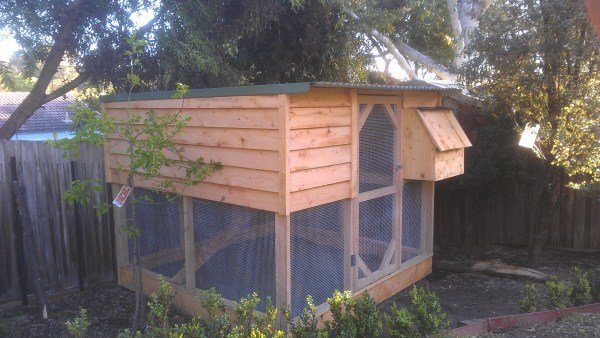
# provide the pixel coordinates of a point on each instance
(46, 174)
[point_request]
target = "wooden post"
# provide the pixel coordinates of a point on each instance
(349, 223)
(189, 247)
(20, 247)
(427, 192)
(398, 183)
(30, 242)
(284, 155)
(283, 285)
(121, 241)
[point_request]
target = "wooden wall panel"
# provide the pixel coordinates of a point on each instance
(418, 151)
(416, 99)
(242, 133)
(320, 146)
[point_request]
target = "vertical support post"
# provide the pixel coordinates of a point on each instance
(350, 272)
(354, 132)
(398, 183)
(427, 193)
(189, 246)
(284, 154)
(283, 285)
(120, 219)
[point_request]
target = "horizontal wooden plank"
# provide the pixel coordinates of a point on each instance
(319, 157)
(258, 101)
(311, 178)
(214, 118)
(230, 176)
(242, 158)
(449, 168)
(259, 139)
(416, 99)
(308, 198)
(319, 137)
(321, 97)
(251, 198)
(373, 194)
(319, 117)
(450, 154)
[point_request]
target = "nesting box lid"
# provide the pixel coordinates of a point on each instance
(443, 128)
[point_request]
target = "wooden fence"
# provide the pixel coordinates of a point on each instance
(464, 219)
(71, 240)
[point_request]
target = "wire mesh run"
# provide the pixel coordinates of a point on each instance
(317, 254)
(376, 223)
(376, 147)
(234, 250)
(412, 201)
(158, 217)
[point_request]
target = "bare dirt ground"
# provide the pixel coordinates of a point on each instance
(463, 296)
(473, 296)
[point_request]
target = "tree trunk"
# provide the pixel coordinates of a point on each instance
(552, 188)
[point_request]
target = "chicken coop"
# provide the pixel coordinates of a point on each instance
(324, 186)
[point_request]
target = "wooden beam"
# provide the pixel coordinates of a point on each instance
(283, 286)
(364, 114)
(354, 144)
(347, 227)
(188, 231)
(284, 154)
(120, 219)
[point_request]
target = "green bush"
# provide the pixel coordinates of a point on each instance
(217, 322)
(78, 326)
(529, 301)
(594, 277)
(580, 287)
(401, 324)
(249, 324)
(159, 308)
(353, 317)
(427, 311)
(307, 325)
(424, 318)
(558, 294)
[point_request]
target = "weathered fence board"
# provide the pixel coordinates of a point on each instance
(462, 218)
(46, 175)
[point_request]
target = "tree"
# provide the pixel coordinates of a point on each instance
(89, 34)
(537, 62)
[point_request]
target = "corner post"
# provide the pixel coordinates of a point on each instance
(283, 285)
(188, 243)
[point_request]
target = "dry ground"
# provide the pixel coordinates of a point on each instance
(463, 296)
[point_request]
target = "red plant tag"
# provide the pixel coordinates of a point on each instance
(122, 196)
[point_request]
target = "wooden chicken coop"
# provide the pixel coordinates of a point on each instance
(324, 186)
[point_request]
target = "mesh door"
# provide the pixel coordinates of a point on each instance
(376, 146)
(317, 249)
(161, 235)
(412, 202)
(235, 250)
(376, 223)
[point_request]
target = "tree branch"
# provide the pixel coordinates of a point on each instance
(67, 87)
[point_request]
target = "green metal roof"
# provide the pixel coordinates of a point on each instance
(284, 88)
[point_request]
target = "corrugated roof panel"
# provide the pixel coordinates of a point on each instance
(275, 89)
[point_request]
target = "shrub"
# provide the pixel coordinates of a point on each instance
(365, 316)
(78, 326)
(427, 311)
(529, 301)
(580, 287)
(594, 277)
(159, 308)
(558, 293)
(307, 324)
(353, 317)
(249, 324)
(217, 322)
(401, 324)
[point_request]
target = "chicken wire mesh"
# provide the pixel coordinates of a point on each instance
(412, 201)
(375, 232)
(317, 254)
(376, 150)
(235, 250)
(158, 217)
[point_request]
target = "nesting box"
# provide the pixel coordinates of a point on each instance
(324, 187)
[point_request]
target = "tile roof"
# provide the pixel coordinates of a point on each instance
(50, 117)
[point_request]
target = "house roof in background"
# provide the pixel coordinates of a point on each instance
(50, 117)
(283, 88)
